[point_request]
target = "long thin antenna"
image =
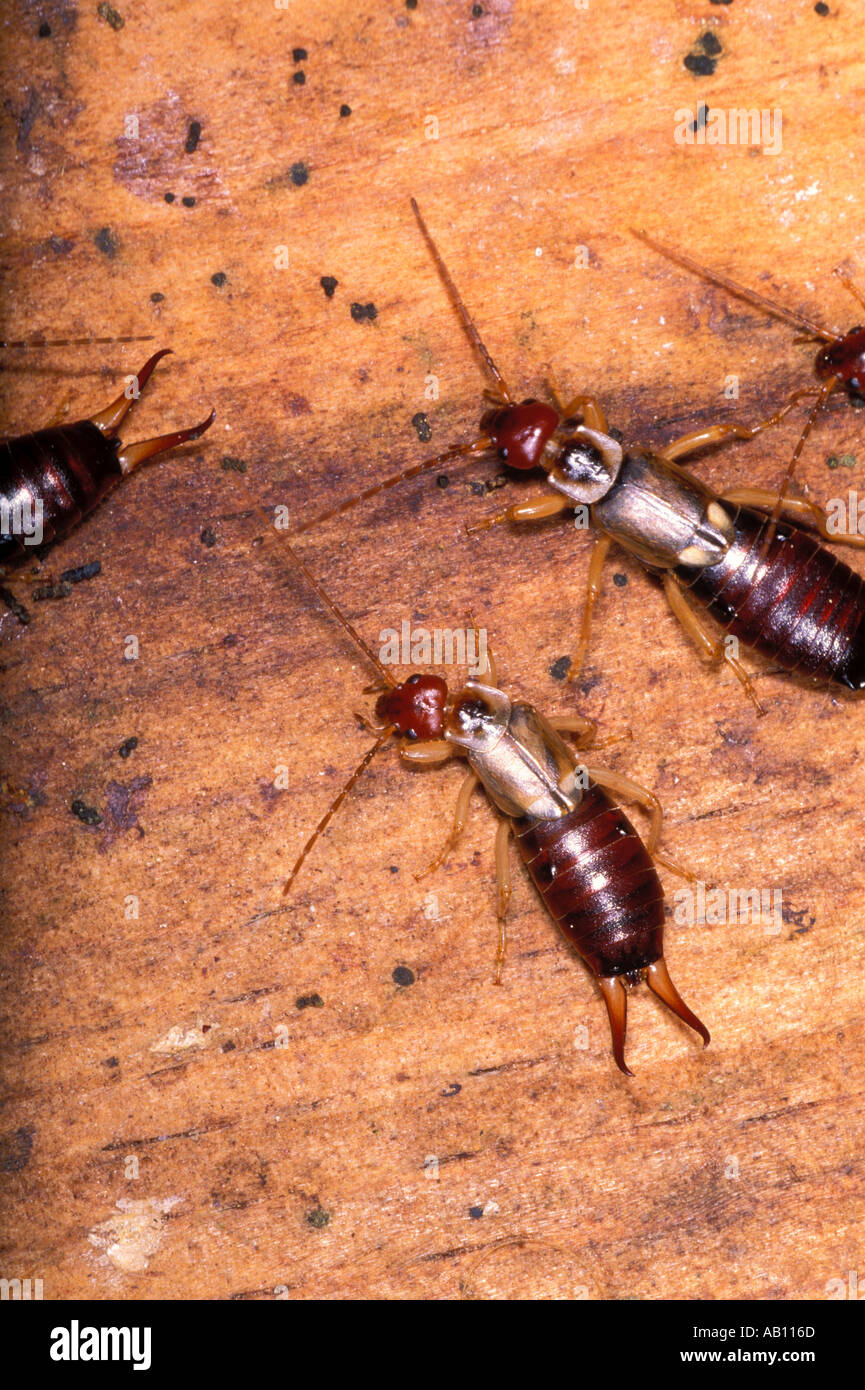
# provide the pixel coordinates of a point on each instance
(468, 321)
(475, 449)
(335, 805)
(828, 335)
(287, 548)
(815, 410)
(70, 342)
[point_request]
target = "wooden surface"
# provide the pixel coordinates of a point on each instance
(175, 1124)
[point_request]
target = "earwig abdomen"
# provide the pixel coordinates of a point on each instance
(798, 604)
(598, 882)
(62, 472)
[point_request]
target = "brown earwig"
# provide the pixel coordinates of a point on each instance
(594, 874)
(61, 473)
(769, 584)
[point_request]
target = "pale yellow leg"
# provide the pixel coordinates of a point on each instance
(848, 284)
(503, 876)
(593, 589)
(709, 645)
(470, 781)
(797, 506)
(431, 751)
(714, 434)
(632, 791)
(586, 407)
(586, 731)
(536, 508)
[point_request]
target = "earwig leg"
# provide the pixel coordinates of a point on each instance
(616, 1000)
(714, 650)
(503, 877)
(593, 590)
(798, 506)
(592, 414)
(586, 730)
(470, 781)
(849, 285)
(111, 418)
(659, 982)
(538, 508)
(131, 455)
(431, 751)
(632, 791)
(715, 434)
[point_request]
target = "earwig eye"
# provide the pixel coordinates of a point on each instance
(411, 735)
(413, 680)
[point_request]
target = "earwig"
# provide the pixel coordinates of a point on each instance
(591, 869)
(840, 361)
(767, 582)
(61, 473)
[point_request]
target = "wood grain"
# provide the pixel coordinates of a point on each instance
(177, 1123)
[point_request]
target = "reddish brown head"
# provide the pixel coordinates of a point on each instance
(416, 708)
(519, 432)
(845, 360)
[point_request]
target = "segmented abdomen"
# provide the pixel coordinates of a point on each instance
(67, 469)
(596, 877)
(801, 605)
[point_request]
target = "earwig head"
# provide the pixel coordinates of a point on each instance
(587, 466)
(520, 432)
(844, 360)
(415, 708)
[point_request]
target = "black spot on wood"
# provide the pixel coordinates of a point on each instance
(424, 431)
(105, 242)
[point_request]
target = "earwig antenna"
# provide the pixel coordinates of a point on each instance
(468, 321)
(827, 335)
(474, 450)
(70, 342)
(335, 805)
(287, 548)
(815, 410)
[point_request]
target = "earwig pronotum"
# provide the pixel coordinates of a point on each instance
(840, 362)
(771, 586)
(589, 865)
(61, 473)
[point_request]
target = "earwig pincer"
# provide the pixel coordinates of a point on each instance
(61, 473)
(589, 865)
(770, 584)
